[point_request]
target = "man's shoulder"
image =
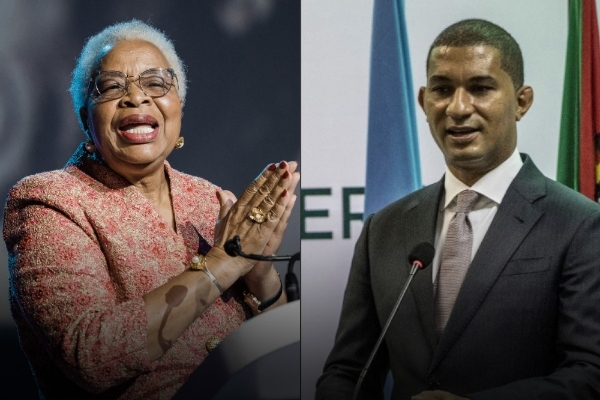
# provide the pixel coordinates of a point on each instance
(408, 202)
(561, 197)
(550, 194)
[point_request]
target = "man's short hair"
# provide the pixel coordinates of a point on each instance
(474, 32)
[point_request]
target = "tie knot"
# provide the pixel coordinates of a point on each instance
(466, 201)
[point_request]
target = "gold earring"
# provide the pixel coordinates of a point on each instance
(89, 146)
(180, 142)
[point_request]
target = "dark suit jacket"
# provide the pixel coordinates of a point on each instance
(525, 325)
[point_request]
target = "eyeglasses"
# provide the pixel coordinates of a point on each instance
(112, 85)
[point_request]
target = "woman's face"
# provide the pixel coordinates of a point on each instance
(135, 133)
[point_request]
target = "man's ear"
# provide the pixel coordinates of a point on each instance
(524, 101)
(420, 97)
(421, 100)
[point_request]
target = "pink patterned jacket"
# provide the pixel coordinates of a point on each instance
(84, 247)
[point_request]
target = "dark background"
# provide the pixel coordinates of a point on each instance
(242, 108)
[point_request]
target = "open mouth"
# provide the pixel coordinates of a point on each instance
(462, 135)
(462, 131)
(138, 123)
(138, 128)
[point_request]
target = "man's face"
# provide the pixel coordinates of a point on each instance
(472, 108)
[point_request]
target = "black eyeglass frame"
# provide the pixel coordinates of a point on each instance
(94, 94)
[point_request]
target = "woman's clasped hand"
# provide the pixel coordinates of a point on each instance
(260, 215)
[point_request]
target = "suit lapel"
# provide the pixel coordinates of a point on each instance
(515, 218)
(422, 219)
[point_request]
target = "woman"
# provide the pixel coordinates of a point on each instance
(120, 285)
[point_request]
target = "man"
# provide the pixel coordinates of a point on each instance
(510, 308)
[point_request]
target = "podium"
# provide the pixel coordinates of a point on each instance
(258, 361)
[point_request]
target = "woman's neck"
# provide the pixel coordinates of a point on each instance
(155, 188)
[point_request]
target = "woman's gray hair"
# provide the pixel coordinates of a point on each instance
(98, 45)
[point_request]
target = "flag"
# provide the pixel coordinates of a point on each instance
(579, 145)
(393, 166)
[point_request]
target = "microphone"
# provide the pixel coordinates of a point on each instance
(233, 247)
(420, 257)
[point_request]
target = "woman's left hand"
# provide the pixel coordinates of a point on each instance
(261, 269)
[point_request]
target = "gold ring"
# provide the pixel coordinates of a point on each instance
(257, 215)
(264, 190)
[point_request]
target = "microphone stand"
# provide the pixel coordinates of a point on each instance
(291, 281)
(415, 267)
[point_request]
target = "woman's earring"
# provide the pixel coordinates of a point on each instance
(89, 146)
(180, 142)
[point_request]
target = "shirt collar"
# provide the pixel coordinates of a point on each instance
(492, 185)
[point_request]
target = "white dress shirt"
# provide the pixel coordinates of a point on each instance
(491, 188)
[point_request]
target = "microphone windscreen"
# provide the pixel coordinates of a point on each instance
(423, 252)
(232, 246)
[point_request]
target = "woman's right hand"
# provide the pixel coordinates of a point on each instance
(269, 193)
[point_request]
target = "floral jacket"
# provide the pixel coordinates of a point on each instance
(84, 246)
